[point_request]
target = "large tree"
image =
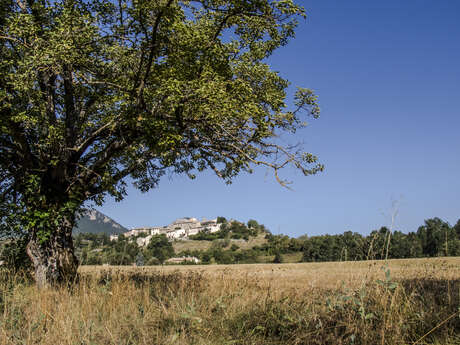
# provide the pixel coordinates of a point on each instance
(95, 91)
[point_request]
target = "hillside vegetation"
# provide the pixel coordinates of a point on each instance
(201, 245)
(235, 242)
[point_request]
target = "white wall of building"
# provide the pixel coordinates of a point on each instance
(179, 229)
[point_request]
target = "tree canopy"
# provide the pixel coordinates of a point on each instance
(95, 91)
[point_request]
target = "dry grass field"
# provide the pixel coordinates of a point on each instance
(370, 302)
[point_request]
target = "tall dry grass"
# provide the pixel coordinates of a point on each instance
(405, 302)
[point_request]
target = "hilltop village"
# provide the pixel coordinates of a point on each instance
(180, 229)
(186, 240)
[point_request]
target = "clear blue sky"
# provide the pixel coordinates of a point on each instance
(388, 77)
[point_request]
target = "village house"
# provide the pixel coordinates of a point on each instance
(180, 229)
(138, 231)
(143, 241)
(211, 225)
(182, 259)
(176, 233)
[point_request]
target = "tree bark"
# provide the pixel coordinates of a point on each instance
(54, 260)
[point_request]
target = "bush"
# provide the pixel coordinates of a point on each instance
(278, 258)
(94, 259)
(234, 247)
(153, 262)
(221, 220)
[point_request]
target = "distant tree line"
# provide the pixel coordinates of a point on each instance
(434, 238)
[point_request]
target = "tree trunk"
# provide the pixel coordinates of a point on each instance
(54, 260)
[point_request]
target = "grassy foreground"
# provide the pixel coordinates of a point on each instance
(403, 302)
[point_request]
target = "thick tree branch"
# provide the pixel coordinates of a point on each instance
(105, 156)
(69, 103)
(21, 141)
(101, 132)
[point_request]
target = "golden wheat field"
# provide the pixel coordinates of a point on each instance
(370, 302)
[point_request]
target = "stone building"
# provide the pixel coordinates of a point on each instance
(180, 229)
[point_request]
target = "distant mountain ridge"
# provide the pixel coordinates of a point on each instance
(95, 222)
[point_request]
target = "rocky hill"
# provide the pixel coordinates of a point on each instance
(96, 222)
